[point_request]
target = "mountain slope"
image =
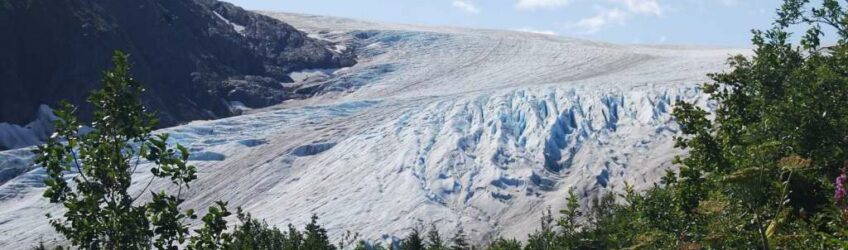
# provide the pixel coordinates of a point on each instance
(196, 57)
(479, 129)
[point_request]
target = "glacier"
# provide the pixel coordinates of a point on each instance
(454, 127)
(15, 136)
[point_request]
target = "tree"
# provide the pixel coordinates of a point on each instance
(570, 214)
(413, 241)
(504, 244)
(546, 238)
(434, 240)
(316, 237)
(349, 239)
(459, 241)
(766, 168)
(212, 235)
(777, 139)
(295, 238)
(100, 159)
(363, 245)
(254, 234)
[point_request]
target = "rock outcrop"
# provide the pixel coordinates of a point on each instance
(195, 57)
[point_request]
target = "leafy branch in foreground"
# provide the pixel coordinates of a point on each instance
(90, 166)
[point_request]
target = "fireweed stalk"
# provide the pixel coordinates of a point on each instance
(840, 193)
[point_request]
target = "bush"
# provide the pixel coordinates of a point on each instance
(760, 168)
(101, 213)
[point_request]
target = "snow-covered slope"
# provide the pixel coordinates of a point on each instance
(479, 129)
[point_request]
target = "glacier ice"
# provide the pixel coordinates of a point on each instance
(15, 136)
(479, 129)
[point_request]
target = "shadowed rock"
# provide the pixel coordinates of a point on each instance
(193, 56)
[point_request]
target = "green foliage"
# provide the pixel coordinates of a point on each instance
(546, 237)
(316, 237)
(100, 158)
(504, 244)
(760, 167)
(348, 239)
(100, 211)
(254, 234)
(212, 235)
(413, 241)
(777, 140)
(434, 240)
(363, 245)
(459, 241)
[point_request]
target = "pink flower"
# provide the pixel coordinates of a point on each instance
(840, 194)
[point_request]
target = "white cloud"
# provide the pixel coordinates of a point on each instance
(636, 6)
(649, 7)
(617, 12)
(603, 18)
(532, 30)
(540, 4)
(729, 2)
(466, 5)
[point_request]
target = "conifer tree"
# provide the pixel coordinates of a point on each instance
(413, 241)
(295, 238)
(434, 240)
(504, 244)
(316, 237)
(459, 241)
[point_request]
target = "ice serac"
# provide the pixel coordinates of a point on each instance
(35, 132)
(477, 129)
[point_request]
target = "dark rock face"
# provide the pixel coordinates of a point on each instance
(193, 56)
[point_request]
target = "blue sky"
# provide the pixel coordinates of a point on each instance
(691, 22)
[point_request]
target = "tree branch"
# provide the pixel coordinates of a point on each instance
(77, 165)
(137, 159)
(142, 190)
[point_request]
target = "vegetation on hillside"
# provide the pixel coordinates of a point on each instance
(765, 169)
(89, 171)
